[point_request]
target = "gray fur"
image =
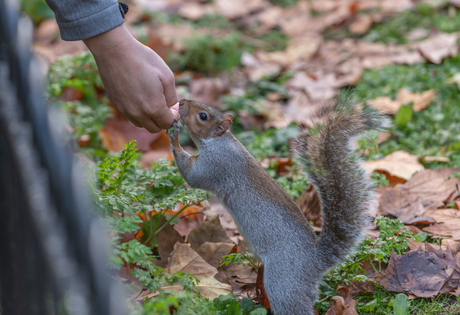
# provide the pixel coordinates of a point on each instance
(271, 222)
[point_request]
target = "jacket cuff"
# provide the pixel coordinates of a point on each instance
(92, 25)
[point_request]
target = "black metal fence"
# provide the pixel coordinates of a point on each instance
(52, 252)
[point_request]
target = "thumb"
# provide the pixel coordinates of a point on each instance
(164, 117)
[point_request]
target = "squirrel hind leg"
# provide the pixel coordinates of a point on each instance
(290, 289)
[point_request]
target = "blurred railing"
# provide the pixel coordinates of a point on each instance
(52, 251)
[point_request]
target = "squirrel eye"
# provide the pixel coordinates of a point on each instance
(203, 116)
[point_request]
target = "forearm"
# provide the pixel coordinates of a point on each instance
(82, 19)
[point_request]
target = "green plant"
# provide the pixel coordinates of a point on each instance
(38, 10)
(284, 3)
(229, 305)
(433, 131)
(368, 146)
(208, 54)
(128, 189)
(394, 30)
(88, 114)
(391, 239)
(379, 179)
(400, 304)
(244, 259)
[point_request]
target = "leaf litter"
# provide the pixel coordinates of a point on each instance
(320, 67)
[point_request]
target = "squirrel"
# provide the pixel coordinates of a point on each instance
(277, 232)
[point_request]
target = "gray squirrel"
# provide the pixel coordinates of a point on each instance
(277, 232)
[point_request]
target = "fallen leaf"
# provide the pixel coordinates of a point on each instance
(358, 287)
(323, 88)
(343, 304)
(444, 230)
(194, 11)
(310, 205)
(434, 159)
(299, 48)
(400, 164)
(212, 252)
(207, 91)
(118, 131)
(426, 190)
(417, 33)
(167, 238)
(210, 231)
(422, 273)
(385, 105)
(361, 25)
(233, 9)
(239, 276)
(438, 47)
(420, 100)
(185, 259)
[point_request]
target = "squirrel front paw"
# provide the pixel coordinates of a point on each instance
(174, 136)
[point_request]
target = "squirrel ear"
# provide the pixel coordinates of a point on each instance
(222, 126)
(229, 117)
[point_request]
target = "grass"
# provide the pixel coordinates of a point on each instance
(434, 131)
(394, 30)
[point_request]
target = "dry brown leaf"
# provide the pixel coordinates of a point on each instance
(420, 100)
(343, 304)
(361, 25)
(422, 273)
(118, 131)
(399, 164)
(207, 91)
(239, 276)
(210, 231)
(323, 88)
(358, 287)
(212, 252)
(299, 48)
(445, 230)
(434, 159)
(167, 238)
(310, 205)
(426, 190)
(385, 105)
(451, 216)
(233, 9)
(194, 11)
(47, 32)
(185, 259)
(270, 17)
(438, 47)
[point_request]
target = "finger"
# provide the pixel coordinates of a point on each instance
(150, 125)
(163, 116)
(135, 122)
(175, 112)
(169, 87)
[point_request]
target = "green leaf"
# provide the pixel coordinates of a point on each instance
(259, 311)
(401, 304)
(420, 237)
(404, 115)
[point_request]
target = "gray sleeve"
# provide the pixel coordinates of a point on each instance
(82, 19)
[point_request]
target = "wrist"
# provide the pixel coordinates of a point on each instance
(114, 40)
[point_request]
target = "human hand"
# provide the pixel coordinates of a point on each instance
(138, 82)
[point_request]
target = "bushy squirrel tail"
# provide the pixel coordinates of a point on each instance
(334, 169)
